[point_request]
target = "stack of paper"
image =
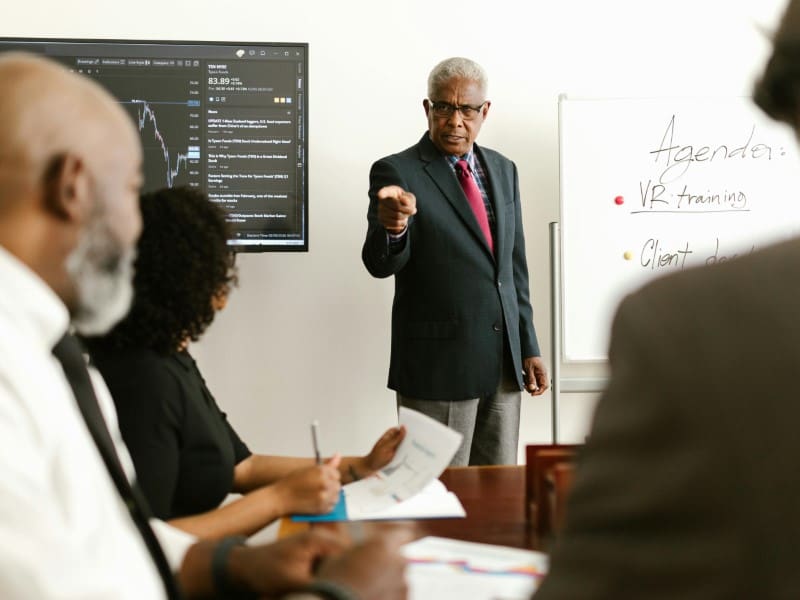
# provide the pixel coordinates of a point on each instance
(447, 569)
(433, 502)
(406, 488)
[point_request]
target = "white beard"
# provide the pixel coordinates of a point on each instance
(103, 275)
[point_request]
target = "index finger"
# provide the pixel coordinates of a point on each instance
(391, 191)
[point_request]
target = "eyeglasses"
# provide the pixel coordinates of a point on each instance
(446, 110)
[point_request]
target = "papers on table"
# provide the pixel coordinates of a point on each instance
(447, 569)
(434, 501)
(392, 492)
(431, 502)
(422, 456)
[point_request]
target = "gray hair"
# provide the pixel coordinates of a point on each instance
(456, 67)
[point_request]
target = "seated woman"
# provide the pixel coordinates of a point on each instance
(187, 455)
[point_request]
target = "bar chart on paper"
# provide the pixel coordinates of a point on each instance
(448, 569)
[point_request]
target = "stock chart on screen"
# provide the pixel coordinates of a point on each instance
(227, 118)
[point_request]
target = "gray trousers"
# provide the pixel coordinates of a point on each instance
(490, 425)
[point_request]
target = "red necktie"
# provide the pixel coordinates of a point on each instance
(475, 200)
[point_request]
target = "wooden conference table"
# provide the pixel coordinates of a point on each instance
(494, 500)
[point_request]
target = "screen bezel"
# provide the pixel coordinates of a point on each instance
(24, 44)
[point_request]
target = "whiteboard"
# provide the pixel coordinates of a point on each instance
(654, 186)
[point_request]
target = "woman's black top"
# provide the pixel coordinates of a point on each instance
(182, 445)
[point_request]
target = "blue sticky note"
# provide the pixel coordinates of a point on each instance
(339, 513)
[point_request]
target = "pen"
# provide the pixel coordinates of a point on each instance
(315, 440)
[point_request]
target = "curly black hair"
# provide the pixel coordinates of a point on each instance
(182, 263)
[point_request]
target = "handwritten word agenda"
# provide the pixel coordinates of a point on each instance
(679, 157)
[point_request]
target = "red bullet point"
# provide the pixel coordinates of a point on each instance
(619, 200)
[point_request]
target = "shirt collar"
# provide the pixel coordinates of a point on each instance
(29, 303)
(469, 157)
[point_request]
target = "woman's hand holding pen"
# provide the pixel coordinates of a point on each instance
(311, 490)
(315, 490)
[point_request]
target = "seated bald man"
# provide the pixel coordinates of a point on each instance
(71, 522)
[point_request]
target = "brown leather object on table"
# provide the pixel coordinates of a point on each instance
(559, 481)
(539, 458)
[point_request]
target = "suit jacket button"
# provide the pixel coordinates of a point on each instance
(496, 327)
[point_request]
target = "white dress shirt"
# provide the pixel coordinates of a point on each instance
(64, 530)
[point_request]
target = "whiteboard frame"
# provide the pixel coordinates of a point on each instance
(578, 385)
(557, 266)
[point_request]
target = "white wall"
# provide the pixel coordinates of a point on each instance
(307, 335)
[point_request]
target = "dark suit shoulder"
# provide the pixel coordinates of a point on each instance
(735, 318)
(422, 150)
(425, 151)
(741, 278)
(490, 154)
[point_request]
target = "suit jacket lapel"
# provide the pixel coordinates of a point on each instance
(444, 178)
(493, 171)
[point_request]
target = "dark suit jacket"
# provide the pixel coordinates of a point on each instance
(454, 303)
(689, 485)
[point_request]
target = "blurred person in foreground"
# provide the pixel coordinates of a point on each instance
(72, 524)
(688, 485)
(188, 457)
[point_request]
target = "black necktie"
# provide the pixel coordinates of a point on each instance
(68, 352)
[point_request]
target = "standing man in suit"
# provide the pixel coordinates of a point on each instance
(445, 219)
(688, 486)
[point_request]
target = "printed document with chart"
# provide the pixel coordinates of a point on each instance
(408, 487)
(448, 569)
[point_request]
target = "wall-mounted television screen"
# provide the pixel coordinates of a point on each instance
(228, 118)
